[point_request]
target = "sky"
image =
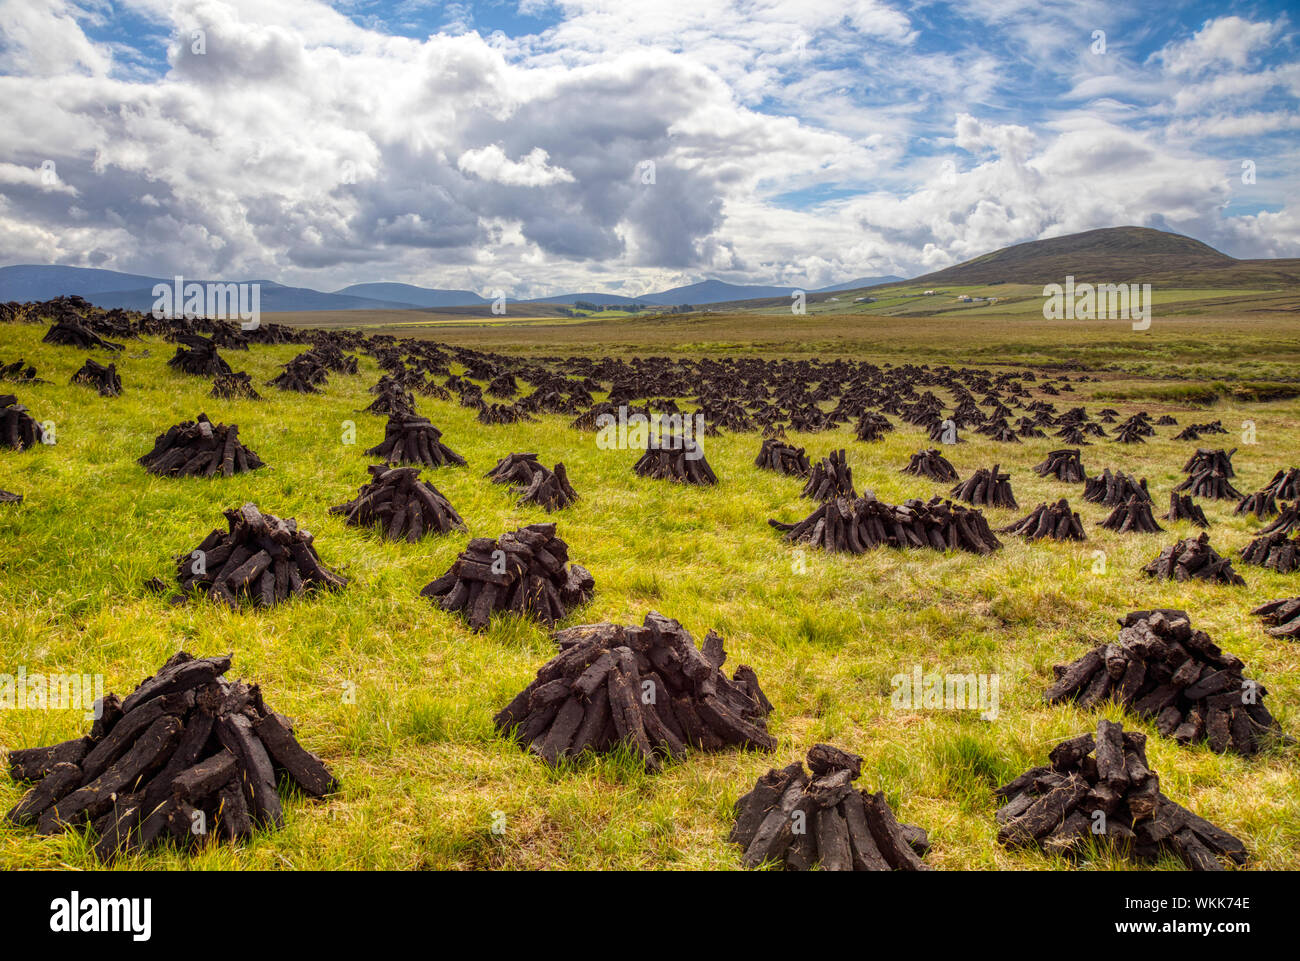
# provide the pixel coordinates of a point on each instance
(536, 147)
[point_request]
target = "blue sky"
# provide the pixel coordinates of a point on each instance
(504, 145)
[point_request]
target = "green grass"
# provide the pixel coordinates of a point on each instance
(398, 696)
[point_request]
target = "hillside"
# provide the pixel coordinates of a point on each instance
(1117, 255)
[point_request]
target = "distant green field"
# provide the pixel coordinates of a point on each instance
(424, 775)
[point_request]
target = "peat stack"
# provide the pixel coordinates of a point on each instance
(1064, 465)
(1285, 485)
(930, 463)
(198, 356)
(392, 399)
(18, 429)
(802, 820)
(1054, 521)
(402, 506)
(872, 426)
(414, 440)
(71, 332)
(522, 572)
(986, 488)
(1286, 522)
(9, 498)
(1161, 668)
(1205, 459)
(676, 459)
(783, 458)
(1283, 615)
(1183, 508)
(103, 379)
(1276, 551)
(236, 385)
(1193, 558)
(1115, 489)
(304, 374)
(187, 756)
(1105, 782)
(857, 526)
(535, 484)
(493, 414)
(199, 449)
(830, 478)
(647, 687)
(20, 371)
(1132, 517)
(1211, 484)
(1262, 503)
(260, 560)
(1208, 473)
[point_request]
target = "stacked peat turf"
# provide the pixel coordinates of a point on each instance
(414, 440)
(187, 756)
(402, 506)
(198, 356)
(647, 687)
(19, 371)
(1114, 489)
(830, 478)
(1207, 475)
(199, 449)
(103, 379)
(535, 484)
(1134, 516)
(783, 458)
(236, 385)
(1193, 558)
(801, 821)
(1055, 521)
(1283, 614)
(1285, 485)
(1275, 551)
(8, 498)
(493, 414)
(260, 560)
(305, 374)
(930, 463)
(393, 399)
(986, 488)
(872, 426)
(677, 458)
(1163, 669)
(1064, 465)
(1262, 503)
(857, 526)
(71, 332)
(1183, 508)
(18, 429)
(523, 572)
(1059, 807)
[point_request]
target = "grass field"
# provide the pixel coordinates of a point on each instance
(398, 696)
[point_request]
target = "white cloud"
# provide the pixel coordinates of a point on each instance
(491, 163)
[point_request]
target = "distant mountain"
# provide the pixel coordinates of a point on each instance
(110, 288)
(600, 300)
(1116, 255)
(34, 282)
(414, 296)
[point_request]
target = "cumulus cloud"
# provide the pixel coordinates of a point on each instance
(631, 145)
(491, 163)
